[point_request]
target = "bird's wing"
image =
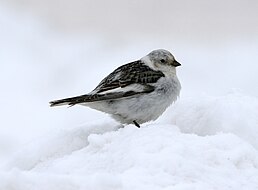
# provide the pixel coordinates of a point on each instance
(128, 80)
(97, 97)
(134, 73)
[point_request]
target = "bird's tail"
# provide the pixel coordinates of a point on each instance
(92, 98)
(69, 101)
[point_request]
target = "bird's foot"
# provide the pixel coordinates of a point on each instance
(136, 124)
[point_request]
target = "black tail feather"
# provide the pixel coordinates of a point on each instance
(69, 101)
(94, 98)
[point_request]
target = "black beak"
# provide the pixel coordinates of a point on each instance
(176, 64)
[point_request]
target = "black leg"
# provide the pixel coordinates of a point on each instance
(136, 124)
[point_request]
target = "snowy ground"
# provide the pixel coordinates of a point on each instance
(212, 145)
(207, 140)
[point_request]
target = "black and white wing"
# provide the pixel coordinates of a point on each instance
(132, 73)
(128, 80)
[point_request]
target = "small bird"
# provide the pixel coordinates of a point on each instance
(136, 92)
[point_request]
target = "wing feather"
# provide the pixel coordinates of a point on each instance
(132, 73)
(99, 97)
(128, 80)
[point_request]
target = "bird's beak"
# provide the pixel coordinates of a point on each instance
(175, 63)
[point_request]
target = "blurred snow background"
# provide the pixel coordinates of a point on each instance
(54, 49)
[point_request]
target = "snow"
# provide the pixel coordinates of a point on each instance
(206, 140)
(206, 143)
(234, 113)
(157, 156)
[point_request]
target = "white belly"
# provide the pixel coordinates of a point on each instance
(142, 108)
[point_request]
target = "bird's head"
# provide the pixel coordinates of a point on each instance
(161, 60)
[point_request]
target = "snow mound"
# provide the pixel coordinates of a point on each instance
(156, 156)
(232, 113)
(53, 146)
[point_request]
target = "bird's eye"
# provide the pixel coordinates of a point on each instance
(162, 60)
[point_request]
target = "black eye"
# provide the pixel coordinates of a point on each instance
(162, 60)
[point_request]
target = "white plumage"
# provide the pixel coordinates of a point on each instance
(136, 92)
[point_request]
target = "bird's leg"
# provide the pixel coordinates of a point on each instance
(136, 124)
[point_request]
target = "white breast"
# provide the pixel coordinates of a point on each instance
(145, 107)
(149, 106)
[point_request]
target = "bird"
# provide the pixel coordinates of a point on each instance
(136, 92)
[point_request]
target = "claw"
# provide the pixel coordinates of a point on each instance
(136, 124)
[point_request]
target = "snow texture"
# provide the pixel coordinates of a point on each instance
(212, 151)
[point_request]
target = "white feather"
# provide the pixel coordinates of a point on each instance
(132, 87)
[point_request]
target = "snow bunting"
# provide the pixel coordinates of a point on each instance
(136, 92)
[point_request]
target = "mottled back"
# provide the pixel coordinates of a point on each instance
(132, 73)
